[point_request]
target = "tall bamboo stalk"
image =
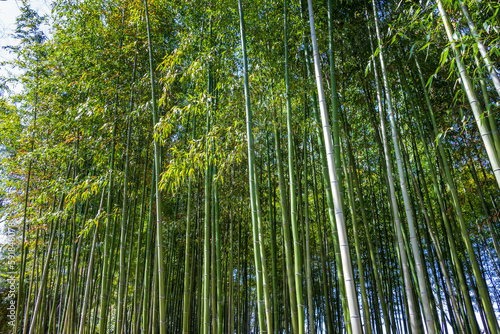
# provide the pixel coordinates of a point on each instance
(471, 94)
(121, 288)
(429, 319)
(357, 244)
(486, 302)
(293, 196)
(408, 285)
(43, 279)
(187, 256)
(309, 279)
(292, 297)
(493, 72)
(252, 176)
(339, 215)
(159, 229)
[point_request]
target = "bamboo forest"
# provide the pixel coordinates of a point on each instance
(237, 166)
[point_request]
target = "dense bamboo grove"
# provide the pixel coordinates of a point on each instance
(241, 166)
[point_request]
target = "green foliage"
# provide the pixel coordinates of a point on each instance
(77, 86)
(10, 129)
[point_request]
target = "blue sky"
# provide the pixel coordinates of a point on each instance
(9, 10)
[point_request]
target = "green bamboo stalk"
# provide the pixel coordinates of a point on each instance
(153, 316)
(30, 289)
(24, 248)
(121, 287)
(485, 136)
(265, 282)
(58, 279)
(334, 97)
(273, 237)
(147, 262)
(230, 271)
(410, 301)
(357, 244)
(43, 279)
(293, 196)
(206, 240)
(329, 199)
(41, 291)
(489, 219)
(309, 282)
(493, 72)
(139, 275)
(329, 325)
(213, 264)
(218, 259)
(439, 253)
(127, 312)
(440, 198)
(486, 97)
(159, 229)
(286, 229)
(373, 259)
(187, 257)
(429, 319)
(339, 215)
(251, 174)
(486, 302)
(106, 251)
(430, 225)
(90, 267)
